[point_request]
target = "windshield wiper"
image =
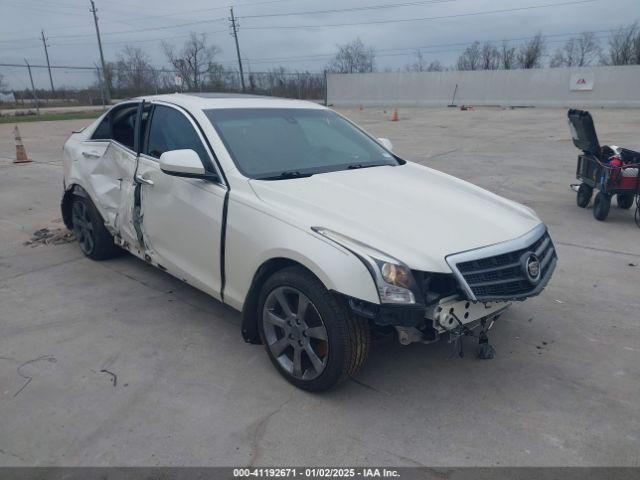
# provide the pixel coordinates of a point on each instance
(355, 166)
(286, 175)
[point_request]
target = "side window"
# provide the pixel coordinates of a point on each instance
(123, 125)
(170, 130)
(103, 132)
(118, 125)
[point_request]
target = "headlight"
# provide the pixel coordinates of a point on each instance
(393, 279)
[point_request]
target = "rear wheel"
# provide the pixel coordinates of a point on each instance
(625, 200)
(584, 195)
(601, 206)
(311, 338)
(88, 227)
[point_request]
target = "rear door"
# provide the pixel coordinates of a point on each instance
(108, 161)
(181, 218)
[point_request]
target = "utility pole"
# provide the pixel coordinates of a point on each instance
(235, 35)
(101, 86)
(104, 66)
(46, 54)
(33, 87)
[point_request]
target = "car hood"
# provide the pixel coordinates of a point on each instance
(413, 213)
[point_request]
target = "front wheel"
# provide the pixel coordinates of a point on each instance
(601, 206)
(95, 240)
(584, 195)
(311, 338)
(625, 200)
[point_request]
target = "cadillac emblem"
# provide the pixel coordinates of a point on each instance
(532, 268)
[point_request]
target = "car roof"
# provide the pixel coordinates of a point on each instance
(206, 101)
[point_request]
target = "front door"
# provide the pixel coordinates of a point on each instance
(181, 218)
(109, 160)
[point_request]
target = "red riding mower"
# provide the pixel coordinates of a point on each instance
(611, 170)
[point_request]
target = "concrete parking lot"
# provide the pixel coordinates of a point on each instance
(116, 363)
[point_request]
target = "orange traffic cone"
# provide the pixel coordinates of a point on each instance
(394, 117)
(21, 153)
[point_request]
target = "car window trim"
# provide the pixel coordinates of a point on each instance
(215, 163)
(115, 144)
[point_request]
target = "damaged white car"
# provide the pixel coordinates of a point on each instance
(309, 226)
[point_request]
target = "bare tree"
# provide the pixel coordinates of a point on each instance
(192, 62)
(3, 85)
(217, 76)
(353, 57)
(422, 65)
(530, 54)
(134, 71)
(508, 60)
(624, 46)
(577, 52)
(587, 49)
(470, 58)
(490, 57)
(435, 66)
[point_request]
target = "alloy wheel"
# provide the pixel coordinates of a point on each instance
(82, 226)
(295, 333)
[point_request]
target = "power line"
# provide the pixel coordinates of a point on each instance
(274, 27)
(42, 9)
(172, 15)
(144, 40)
(198, 22)
(410, 51)
(440, 17)
(351, 9)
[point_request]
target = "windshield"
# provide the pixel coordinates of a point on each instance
(273, 143)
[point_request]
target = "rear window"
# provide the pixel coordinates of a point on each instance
(119, 125)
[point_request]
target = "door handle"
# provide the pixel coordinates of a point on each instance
(90, 155)
(146, 181)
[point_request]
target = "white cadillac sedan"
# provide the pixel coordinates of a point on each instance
(316, 231)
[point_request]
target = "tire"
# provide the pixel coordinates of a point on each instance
(584, 195)
(337, 338)
(625, 200)
(88, 227)
(601, 206)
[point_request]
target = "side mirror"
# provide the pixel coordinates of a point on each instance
(386, 143)
(183, 163)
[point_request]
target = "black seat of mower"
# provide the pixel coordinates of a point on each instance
(583, 132)
(629, 156)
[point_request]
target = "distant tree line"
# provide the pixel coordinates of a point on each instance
(194, 67)
(622, 48)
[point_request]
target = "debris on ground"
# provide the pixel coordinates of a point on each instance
(114, 377)
(53, 236)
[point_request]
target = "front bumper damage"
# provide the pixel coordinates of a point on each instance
(448, 318)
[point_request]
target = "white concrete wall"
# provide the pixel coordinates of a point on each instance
(612, 87)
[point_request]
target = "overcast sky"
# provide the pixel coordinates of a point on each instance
(296, 41)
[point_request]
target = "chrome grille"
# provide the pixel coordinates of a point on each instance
(498, 272)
